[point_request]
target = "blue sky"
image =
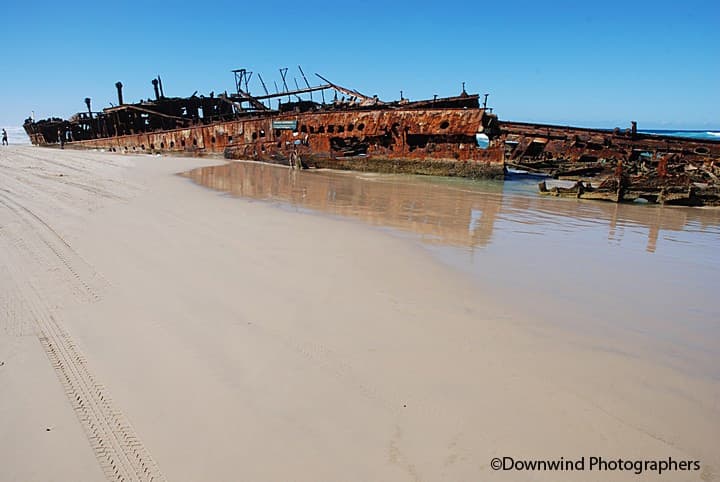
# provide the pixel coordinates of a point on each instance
(589, 63)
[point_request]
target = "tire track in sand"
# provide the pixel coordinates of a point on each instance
(117, 448)
(76, 268)
(32, 247)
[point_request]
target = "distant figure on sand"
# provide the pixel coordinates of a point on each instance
(4, 138)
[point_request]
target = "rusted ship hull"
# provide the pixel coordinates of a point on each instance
(424, 141)
(438, 136)
(400, 141)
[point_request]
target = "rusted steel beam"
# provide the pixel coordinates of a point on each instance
(350, 92)
(244, 96)
(291, 92)
(147, 111)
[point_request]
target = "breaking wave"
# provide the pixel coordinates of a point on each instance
(712, 135)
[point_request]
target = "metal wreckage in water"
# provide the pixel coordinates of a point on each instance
(448, 136)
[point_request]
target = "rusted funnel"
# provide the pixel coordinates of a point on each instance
(119, 87)
(157, 90)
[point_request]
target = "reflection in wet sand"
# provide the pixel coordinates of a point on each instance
(457, 212)
(438, 212)
(614, 218)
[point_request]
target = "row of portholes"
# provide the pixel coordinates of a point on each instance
(162, 145)
(255, 134)
(331, 129)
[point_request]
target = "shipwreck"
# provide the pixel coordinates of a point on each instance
(331, 126)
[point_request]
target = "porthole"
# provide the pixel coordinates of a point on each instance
(444, 124)
(350, 127)
(360, 126)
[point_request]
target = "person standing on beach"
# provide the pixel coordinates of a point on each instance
(4, 138)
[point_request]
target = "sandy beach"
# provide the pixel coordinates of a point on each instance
(153, 329)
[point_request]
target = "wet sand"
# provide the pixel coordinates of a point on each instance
(640, 276)
(214, 338)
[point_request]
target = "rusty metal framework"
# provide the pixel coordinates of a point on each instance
(455, 136)
(616, 165)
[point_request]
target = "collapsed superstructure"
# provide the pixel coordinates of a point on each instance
(616, 165)
(449, 136)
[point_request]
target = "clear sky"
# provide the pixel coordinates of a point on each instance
(589, 63)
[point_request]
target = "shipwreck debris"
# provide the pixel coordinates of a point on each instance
(448, 136)
(616, 165)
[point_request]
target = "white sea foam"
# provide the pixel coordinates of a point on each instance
(711, 135)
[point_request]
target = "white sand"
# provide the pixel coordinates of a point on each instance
(212, 338)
